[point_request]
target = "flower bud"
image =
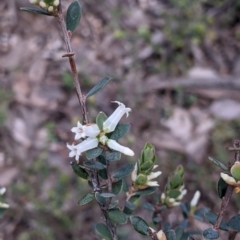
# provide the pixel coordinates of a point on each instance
(141, 179)
(235, 170)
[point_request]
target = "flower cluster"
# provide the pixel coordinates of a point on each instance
(233, 180)
(142, 174)
(174, 189)
(95, 135)
(48, 5)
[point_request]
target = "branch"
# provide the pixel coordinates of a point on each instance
(70, 55)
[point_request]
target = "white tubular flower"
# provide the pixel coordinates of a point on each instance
(82, 131)
(116, 146)
(152, 176)
(161, 235)
(195, 199)
(91, 130)
(56, 3)
(42, 4)
(87, 144)
(2, 190)
(110, 124)
(50, 9)
(3, 205)
(228, 179)
(33, 1)
(73, 151)
(183, 193)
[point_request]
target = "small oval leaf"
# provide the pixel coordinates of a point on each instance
(107, 195)
(120, 130)
(86, 199)
(93, 153)
(222, 187)
(98, 86)
(100, 199)
(101, 117)
(123, 171)
(35, 10)
(112, 156)
(139, 225)
(79, 171)
(212, 218)
(210, 233)
(117, 187)
(234, 223)
(102, 230)
(93, 165)
(171, 235)
(218, 163)
(73, 16)
(146, 191)
(117, 216)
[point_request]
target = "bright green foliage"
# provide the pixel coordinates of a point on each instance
(101, 117)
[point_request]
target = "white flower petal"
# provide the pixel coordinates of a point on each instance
(195, 199)
(155, 166)
(3, 205)
(2, 190)
(154, 175)
(152, 183)
(134, 173)
(87, 144)
(73, 151)
(228, 179)
(91, 130)
(110, 124)
(183, 193)
(116, 146)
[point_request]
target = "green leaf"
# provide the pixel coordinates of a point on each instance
(102, 230)
(146, 191)
(123, 171)
(93, 165)
(73, 16)
(185, 207)
(2, 211)
(117, 187)
(120, 130)
(103, 174)
(166, 227)
(200, 213)
(212, 218)
(113, 204)
(79, 170)
(35, 10)
(112, 156)
(86, 199)
(100, 199)
(174, 193)
(234, 223)
(148, 206)
(218, 163)
(117, 216)
(146, 166)
(98, 86)
(129, 207)
(134, 198)
(171, 235)
(107, 195)
(102, 159)
(175, 181)
(179, 233)
(222, 187)
(139, 225)
(93, 153)
(101, 117)
(210, 233)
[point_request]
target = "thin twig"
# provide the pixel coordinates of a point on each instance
(70, 55)
(82, 100)
(225, 202)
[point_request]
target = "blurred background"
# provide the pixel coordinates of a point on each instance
(176, 63)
